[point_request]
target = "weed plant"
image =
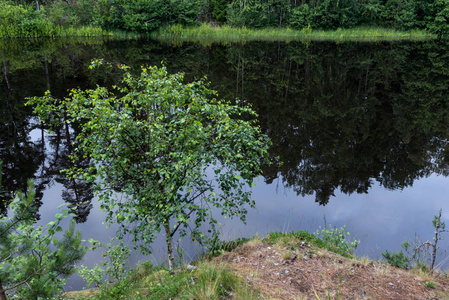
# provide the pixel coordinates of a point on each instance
(430, 284)
(337, 240)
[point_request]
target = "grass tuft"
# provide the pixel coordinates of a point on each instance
(207, 281)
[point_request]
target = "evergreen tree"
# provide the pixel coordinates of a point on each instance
(33, 261)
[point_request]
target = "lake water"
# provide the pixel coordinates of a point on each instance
(361, 130)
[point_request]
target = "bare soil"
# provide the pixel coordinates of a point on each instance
(310, 273)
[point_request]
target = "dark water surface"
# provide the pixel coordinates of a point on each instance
(361, 129)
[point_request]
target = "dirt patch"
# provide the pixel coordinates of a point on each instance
(305, 272)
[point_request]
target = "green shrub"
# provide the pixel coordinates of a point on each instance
(336, 240)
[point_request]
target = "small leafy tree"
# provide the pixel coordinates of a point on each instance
(171, 149)
(419, 251)
(33, 262)
(115, 267)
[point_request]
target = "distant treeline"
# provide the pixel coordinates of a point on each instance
(148, 15)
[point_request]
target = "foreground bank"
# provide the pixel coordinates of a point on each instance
(280, 266)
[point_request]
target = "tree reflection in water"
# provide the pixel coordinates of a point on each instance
(342, 116)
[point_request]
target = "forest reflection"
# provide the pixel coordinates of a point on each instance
(347, 116)
(341, 116)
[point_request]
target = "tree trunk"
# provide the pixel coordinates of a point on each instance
(5, 72)
(237, 80)
(168, 240)
(280, 18)
(37, 4)
(2, 292)
(47, 75)
(243, 73)
(438, 226)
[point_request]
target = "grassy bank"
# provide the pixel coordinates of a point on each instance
(297, 265)
(50, 30)
(208, 33)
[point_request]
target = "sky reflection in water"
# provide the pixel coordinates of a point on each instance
(382, 219)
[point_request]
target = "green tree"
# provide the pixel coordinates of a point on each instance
(438, 19)
(33, 262)
(145, 15)
(171, 149)
(218, 9)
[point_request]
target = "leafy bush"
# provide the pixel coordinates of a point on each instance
(11, 17)
(36, 24)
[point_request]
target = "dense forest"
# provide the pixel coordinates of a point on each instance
(47, 17)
